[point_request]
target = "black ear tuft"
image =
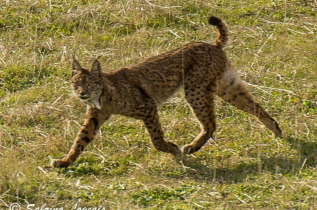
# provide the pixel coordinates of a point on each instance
(214, 21)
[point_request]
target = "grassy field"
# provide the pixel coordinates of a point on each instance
(273, 44)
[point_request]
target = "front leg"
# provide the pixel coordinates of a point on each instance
(94, 119)
(153, 125)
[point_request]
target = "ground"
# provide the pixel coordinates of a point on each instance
(272, 43)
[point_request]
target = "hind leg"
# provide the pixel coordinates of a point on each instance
(231, 89)
(202, 104)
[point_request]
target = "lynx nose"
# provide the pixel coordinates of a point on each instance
(82, 94)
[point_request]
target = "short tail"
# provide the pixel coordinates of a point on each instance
(223, 31)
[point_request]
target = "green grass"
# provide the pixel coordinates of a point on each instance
(273, 45)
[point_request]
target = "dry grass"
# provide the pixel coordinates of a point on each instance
(272, 43)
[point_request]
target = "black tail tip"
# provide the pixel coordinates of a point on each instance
(214, 20)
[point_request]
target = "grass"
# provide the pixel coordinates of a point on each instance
(273, 45)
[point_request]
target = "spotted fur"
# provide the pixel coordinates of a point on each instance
(136, 91)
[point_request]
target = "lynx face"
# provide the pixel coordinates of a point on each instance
(87, 85)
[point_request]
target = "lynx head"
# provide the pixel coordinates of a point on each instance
(87, 84)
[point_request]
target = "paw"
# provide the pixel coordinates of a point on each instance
(188, 149)
(278, 133)
(174, 149)
(177, 152)
(59, 163)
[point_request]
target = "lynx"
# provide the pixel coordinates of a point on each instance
(136, 91)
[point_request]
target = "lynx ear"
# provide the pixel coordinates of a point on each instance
(96, 68)
(76, 67)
